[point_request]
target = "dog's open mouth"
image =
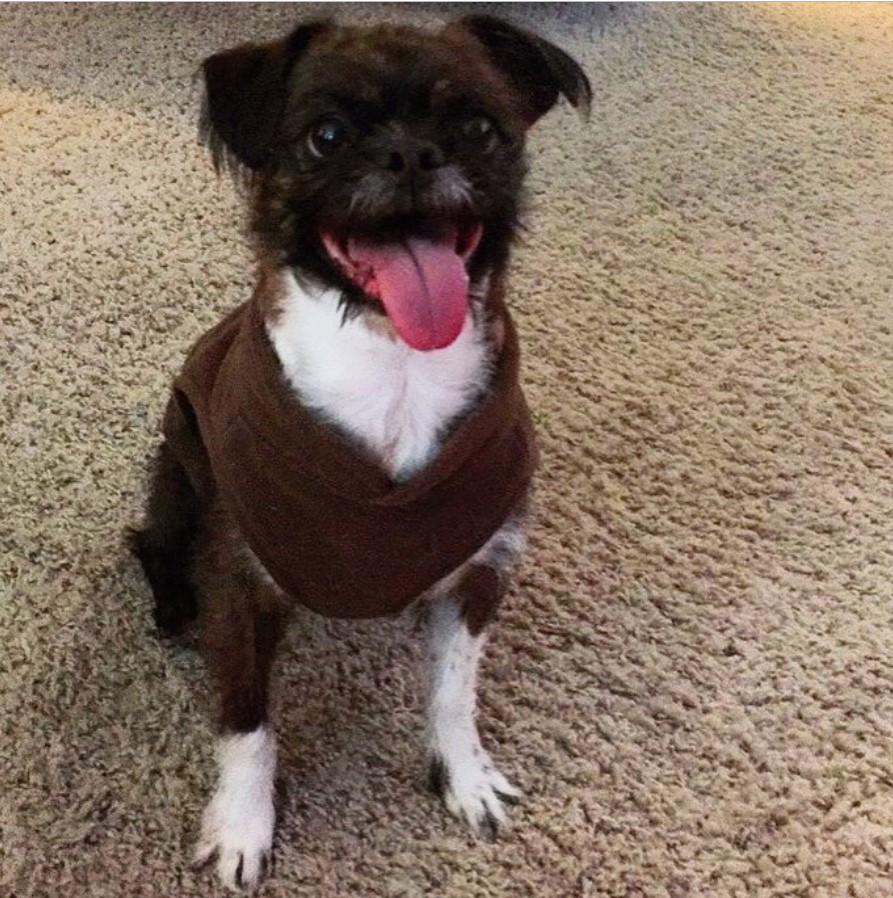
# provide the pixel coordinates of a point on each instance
(421, 281)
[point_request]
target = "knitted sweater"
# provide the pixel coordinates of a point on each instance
(324, 518)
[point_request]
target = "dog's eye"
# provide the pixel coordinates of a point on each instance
(327, 137)
(482, 131)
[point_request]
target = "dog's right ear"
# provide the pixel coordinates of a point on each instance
(245, 93)
(537, 69)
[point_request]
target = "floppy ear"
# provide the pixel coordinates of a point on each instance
(538, 71)
(245, 93)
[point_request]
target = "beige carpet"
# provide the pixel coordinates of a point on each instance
(693, 681)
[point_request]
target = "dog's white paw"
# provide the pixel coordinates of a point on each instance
(473, 789)
(241, 844)
(237, 826)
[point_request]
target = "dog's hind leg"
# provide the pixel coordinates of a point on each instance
(165, 544)
(461, 772)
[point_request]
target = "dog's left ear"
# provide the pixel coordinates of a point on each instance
(537, 70)
(245, 93)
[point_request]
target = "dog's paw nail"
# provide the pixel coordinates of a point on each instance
(438, 777)
(512, 799)
(487, 827)
(241, 872)
(204, 855)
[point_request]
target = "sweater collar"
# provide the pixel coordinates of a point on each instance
(272, 411)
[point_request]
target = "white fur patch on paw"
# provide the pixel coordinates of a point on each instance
(237, 825)
(473, 789)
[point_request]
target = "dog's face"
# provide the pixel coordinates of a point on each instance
(388, 162)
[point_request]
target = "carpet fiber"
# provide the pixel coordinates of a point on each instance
(692, 680)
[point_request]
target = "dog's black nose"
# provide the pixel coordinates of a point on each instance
(402, 154)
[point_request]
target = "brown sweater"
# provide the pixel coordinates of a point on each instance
(327, 522)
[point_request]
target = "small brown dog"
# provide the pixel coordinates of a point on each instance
(354, 438)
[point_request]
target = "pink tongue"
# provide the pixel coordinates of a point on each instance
(423, 286)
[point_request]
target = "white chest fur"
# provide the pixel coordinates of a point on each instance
(393, 399)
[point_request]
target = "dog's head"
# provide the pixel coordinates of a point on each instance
(388, 162)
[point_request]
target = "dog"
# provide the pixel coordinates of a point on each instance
(354, 438)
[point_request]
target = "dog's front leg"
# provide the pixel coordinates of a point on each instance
(461, 772)
(241, 624)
